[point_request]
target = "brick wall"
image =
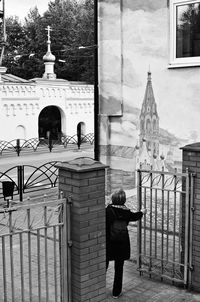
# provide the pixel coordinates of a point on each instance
(84, 180)
(191, 161)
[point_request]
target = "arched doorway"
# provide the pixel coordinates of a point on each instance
(81, 128)
(50, 123)
(80, 132)
(21, 132)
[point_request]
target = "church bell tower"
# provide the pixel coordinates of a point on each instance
(149, 120)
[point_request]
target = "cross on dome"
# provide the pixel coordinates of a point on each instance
(49, 58)
(48, 29)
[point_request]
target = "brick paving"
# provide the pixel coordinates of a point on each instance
(138, 288)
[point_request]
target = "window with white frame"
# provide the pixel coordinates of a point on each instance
(184, 33)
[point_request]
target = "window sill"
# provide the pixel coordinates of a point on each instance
(183, 65)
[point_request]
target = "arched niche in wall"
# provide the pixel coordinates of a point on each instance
(21, 132)
(81, 128)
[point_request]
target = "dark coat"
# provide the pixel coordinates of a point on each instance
(118, 250)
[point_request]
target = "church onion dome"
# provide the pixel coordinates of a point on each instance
(154, 154)
(137, 147)
(49, 57)
(162, 157)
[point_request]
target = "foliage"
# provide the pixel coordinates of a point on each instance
(191, 16)
(72, 24)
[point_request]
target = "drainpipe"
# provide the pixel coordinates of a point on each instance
(3, 43)
(96, 84)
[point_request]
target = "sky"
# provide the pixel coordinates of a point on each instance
(21, 8)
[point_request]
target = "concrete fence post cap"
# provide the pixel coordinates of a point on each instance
(191, 147)
(82, 164)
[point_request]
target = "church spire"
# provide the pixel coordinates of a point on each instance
(149, 120)
(149, 76)
(149, 95)
(49, 58)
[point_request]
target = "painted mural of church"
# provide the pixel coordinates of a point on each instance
(148, 149)
(146, 117)
(44, 106)
(152, 150)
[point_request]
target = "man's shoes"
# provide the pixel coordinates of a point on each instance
(116, 297)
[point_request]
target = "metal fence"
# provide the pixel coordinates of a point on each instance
(29, 179)
(162, 248)
(33, 144)
(35, 252)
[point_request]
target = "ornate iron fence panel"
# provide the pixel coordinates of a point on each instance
(162, 247)
(66, 140)
(29, 178)
(10, 175)
(34, 255)
(45, 176)
(33, 144)
(9, 146)
(88, 138)
(49, 143)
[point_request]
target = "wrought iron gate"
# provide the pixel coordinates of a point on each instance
(34, 252)
(164, 234)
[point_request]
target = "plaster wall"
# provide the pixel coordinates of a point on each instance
(135, 36)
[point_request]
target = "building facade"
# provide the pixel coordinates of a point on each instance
(44, 106)
(149, 54)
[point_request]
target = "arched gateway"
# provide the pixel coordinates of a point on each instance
(44, 106)
(49, 123)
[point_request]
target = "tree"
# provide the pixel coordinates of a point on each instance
(72, 26)
(188, 30)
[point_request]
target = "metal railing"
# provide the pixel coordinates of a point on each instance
(28, 179)
(162, 244)
(35, 252)
(34, 144)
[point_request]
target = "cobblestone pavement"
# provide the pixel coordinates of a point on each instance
(138, 288)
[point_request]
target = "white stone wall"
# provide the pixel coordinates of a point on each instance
(21, 104)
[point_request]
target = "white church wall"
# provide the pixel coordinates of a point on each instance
(22, 110)
(17, 112)
(21, 103)
(9, 127)
(73, 120)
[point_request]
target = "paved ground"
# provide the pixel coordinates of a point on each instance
(37, 158)
(138, 288)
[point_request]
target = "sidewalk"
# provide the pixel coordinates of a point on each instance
(138, 288)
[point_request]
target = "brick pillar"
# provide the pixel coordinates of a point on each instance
(191, 161)
(84, 180)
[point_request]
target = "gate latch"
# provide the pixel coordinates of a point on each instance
(69, 199)
(69, 243)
